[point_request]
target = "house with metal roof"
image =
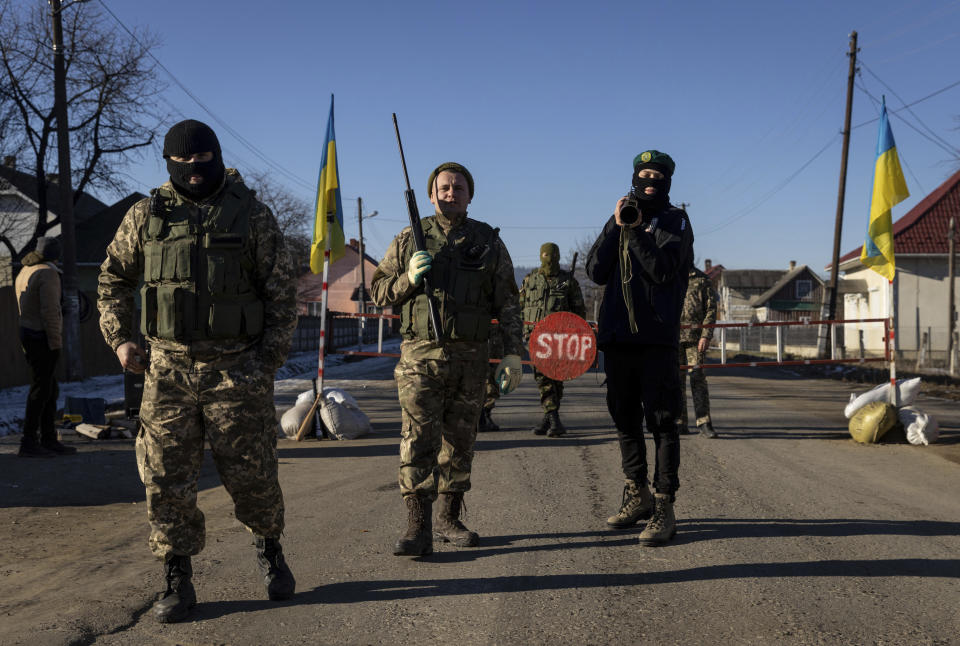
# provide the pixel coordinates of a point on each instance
(920, 289)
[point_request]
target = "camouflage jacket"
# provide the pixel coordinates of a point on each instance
(274, 278)
(699, 307)
(542, 295)
(390, 287)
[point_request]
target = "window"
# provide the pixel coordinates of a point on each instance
(803, 287)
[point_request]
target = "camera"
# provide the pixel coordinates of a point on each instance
(630, 210)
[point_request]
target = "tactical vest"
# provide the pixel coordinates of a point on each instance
(198, 268)
(543, 295)
(462, 278)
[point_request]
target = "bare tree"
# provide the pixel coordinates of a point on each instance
(111, 83)
(592, 293)
(293, 214)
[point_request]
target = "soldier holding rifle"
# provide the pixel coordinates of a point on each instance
(462, 277)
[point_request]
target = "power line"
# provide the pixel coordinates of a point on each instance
(250, 146)
(783, 184)
(907, 108)
(921, 100)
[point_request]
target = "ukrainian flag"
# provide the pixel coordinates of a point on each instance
(889, 188)
(328, 202)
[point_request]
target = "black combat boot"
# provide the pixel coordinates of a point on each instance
(276, 574)
(418, 541)
(30, 448)
(541, 428)
(486, 424)
(449, 528)
(54, 446)
(175, 604)
(706, 430)
(555, 427)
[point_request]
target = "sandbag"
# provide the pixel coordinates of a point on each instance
(906, 388)
(872, 421)
(345, 422)
(920, 427)
(290, 421)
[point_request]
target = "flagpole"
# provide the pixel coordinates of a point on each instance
(894, 399)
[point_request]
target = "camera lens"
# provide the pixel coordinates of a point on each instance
(629, 213)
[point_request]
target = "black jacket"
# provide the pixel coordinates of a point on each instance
(660, 253)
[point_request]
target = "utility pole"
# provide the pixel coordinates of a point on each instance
(362, 290)
(951, 309)
(71, 318)
(838, 226)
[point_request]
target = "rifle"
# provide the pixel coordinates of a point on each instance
(573, 264)
(418, 240)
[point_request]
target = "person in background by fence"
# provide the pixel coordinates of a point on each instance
(699, 308)
(41, 337)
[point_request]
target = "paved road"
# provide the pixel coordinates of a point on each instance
(789, 533)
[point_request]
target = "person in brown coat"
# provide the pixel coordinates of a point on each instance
(41, 337)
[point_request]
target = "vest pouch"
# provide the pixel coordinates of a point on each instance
(174, 309)
(253, 318)
(148, 310)
(183, 261)
(152, 261)
(226, 320)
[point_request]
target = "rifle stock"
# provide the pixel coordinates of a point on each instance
(418, 240)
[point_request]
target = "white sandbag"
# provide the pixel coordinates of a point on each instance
(306, 396)
(340, 396)
(920, 427)
(345, 422)
(290, 421)
(906, 388)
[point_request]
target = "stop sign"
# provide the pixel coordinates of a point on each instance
(562, 346)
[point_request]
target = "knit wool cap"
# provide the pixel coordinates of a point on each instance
(451, 166)
(656, 160)
(190, 137)
(48, 248)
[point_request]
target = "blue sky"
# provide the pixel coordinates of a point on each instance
(547, 104)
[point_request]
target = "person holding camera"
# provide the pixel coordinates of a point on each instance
(641, 257)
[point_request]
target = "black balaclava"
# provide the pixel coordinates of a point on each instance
(189, 138)
(661, 198)
(549, 259)
(49, 248)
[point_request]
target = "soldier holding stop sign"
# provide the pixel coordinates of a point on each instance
(641, 258)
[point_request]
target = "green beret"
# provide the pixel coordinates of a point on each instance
(654, 159)
(455, 167)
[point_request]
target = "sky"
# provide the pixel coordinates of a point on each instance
(547, 103)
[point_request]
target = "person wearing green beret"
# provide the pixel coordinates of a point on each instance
(441, 374)
(641, 258)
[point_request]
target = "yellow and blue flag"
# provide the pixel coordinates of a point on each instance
(328, 202)
(889, 188)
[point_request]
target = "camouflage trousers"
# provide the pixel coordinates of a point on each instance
(698, 385)
(551, 391)
(440, 401)
(491, 388)
(228, 402)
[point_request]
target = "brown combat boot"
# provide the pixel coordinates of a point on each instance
(636, 505)
(449, 528)
(662, 526)
(418, 541)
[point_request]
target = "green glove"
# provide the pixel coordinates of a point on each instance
(419, 265)
(509, 373)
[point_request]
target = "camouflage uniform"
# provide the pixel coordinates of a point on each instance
(441, 385)
(699, 308)
(542, 294)
(495, 349)
(208, 377)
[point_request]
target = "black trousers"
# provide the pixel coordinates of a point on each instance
(38, 420)
(643, 383)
